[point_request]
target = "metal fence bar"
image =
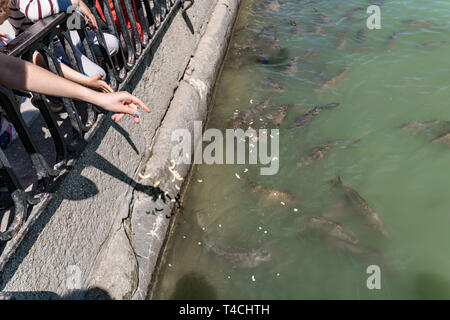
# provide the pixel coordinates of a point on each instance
(147, 19)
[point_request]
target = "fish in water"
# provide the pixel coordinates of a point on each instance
(361, 205)
(327, 228)
(321, 151)
(392, 40)
(273, 5)
(357, 250)
(443, 138)
(323, 18)
(291, 68)
(351, 12)
(310, 115)
(295, 28)
(432, 45)
(331, 83)
(245, 258)
(342, 43)
(274, 86)
(420, 126)
(247, 44)
(361, 35)
(421, 23)
(248, 115)
(279, 115)
(237, 63)
(318, 30)
(272, 195)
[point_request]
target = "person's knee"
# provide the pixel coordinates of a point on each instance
(112, 43)
(91, 69)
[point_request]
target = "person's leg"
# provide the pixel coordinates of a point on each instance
(112, 43)
(90, 68)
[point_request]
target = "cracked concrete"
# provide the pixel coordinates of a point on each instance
(112, 214)
(87, 212)
(151, 217)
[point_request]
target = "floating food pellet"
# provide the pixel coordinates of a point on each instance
(251, 101)
(220, 226)
(278, 274)
(229, 277)
(199, 243)
(237, 176)
(259, 228)
(295, 209)
(245, 170)
(283, 203)
(170, 265)
(200, 180)
(253, 278)
(265, 231)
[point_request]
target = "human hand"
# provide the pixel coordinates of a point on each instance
(3, 38)
(121, 103)
(84, 9)
(97, 83)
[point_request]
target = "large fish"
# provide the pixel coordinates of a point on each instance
(291, 67)
(332, 82)
(272, 195)
(321, 17)
(357, 250)
(351, 12)
(421, 23)
(361, 35)
(419, 126)
(432, 44)
(295, 28)
(244, 258)
(392, 40)
(321, 151)
(273, 5)
(327, 228)
(342, 43)
(443, 138)
(274, 86)
(248, 115)
(361, 205)
(310, 115)
(278, 117)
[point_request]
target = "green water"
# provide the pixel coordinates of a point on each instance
(401, 175)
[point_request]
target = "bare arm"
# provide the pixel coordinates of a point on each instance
(22, 75)
(94, 82)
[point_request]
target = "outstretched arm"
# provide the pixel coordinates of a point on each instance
(22, 75)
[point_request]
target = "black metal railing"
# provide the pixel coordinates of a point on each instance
(70, 135)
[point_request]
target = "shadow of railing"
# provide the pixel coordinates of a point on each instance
(70, 134)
